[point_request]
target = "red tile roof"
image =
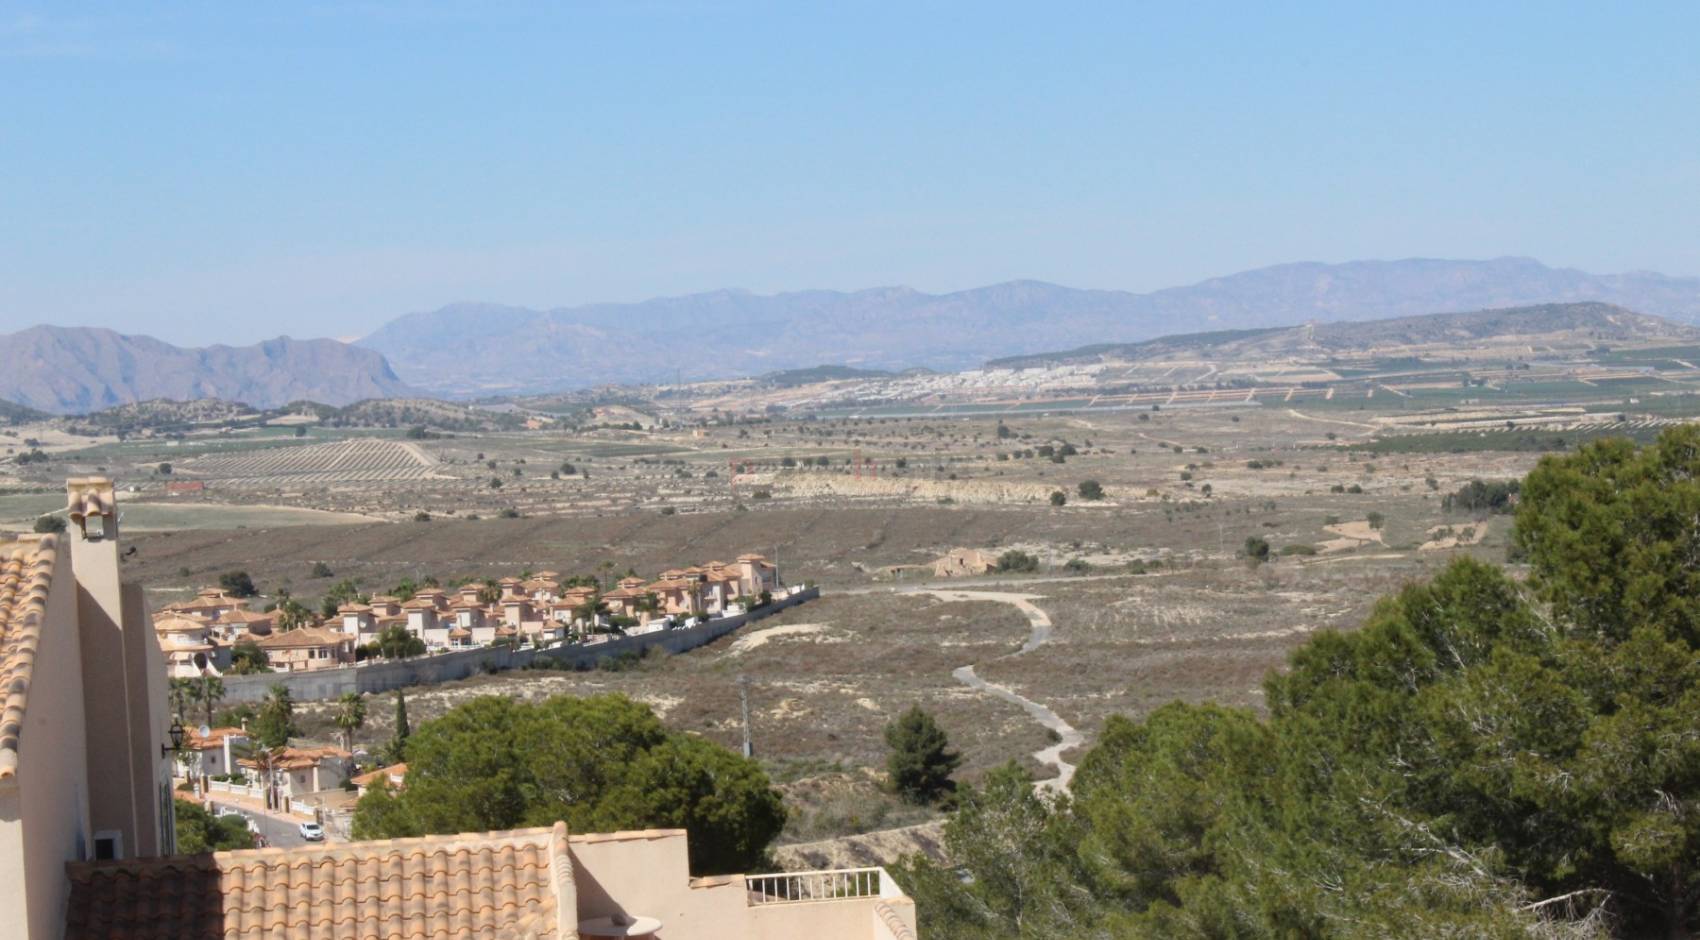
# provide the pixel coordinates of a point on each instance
(305, 637)
(487, 886)
(26, 575)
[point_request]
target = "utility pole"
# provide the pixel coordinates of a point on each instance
(744, 704)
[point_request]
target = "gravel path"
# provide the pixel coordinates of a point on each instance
(1067, 737)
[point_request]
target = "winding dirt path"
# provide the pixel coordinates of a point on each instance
(1068, 737)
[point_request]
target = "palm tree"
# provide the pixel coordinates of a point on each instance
(350, 717)
(181, 692)
(275, 723)
(207, 692)
(291, 615)
(265, 761)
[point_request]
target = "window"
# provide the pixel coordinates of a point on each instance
(108, 845)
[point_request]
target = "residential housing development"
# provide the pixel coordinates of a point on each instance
(87, 747)
(198, 636)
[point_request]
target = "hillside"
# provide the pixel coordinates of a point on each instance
(79, 370)
(789, 378)
(13, 413)
(1581, 325)
(485, 349)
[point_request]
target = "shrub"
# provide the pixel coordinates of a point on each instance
(1017, 561)
(1256, 549)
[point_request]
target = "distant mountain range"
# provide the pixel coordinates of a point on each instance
(1547, 326)
(77, 370)
(467, 350)
(484, 349)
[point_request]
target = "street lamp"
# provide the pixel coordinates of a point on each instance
(176, 733)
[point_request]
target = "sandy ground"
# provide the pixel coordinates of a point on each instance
(1351, 535)
(761, 637)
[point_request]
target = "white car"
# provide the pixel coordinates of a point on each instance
(311, 832)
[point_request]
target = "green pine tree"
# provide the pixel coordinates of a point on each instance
(921, 760)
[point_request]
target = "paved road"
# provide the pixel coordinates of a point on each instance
(277, 831)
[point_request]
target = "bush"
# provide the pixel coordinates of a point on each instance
(1077, 566)
(237, 584)
(1499, 496)
(1059, 498)
(1090, 489)
(199, 831)
(49, 525)
(1256, 549)
(1017, 561)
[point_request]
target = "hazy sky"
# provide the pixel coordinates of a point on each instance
(232, 171)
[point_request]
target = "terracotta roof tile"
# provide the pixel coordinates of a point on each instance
(303, 637)
(26, 575)
(181, 625)
(507, 885)
(371, 777)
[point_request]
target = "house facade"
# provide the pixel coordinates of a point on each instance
(308, 648)
(82, 773)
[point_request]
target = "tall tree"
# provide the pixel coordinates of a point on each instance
(921, 761)
(599, 763)
(207, 692)
(179, 693)
(1027, 880)
(350, 717)
(396, 750)
(275, 723)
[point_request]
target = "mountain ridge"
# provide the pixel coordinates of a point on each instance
(64, 370)
(1580, 322)
(469, 349)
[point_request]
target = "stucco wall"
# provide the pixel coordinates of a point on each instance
(445, 667)
(646, 874)
(50, 799)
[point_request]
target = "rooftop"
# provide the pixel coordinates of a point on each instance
(302, 637)
(26, 574)
(492, 885)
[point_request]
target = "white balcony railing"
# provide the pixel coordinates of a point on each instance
(843, 883)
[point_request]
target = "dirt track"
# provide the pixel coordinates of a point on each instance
(1067, 737)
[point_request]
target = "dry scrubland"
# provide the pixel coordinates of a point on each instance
(825, 677)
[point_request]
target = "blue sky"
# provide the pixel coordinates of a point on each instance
(225, 172)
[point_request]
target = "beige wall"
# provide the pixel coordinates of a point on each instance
(124, 701)
(44, 817)
(647, 874)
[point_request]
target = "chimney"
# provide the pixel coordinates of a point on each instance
(93, 508)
